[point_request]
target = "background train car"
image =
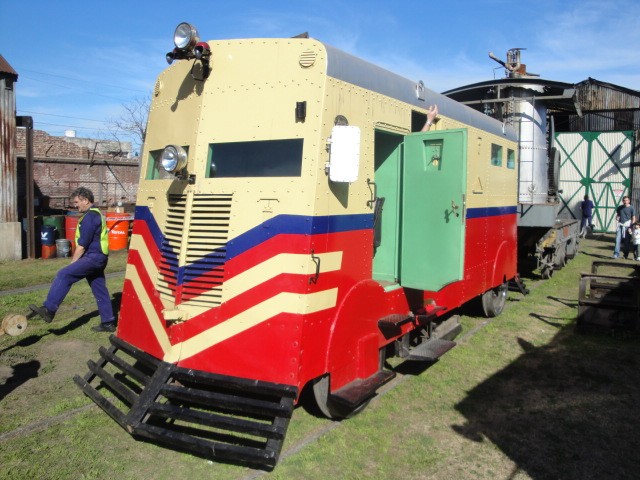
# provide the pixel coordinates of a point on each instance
(293, 228)
(524, 100)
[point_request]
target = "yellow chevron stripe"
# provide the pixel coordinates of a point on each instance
(157, 324)
(297, 303)
(291, 263)
(137, 243)
(284, 263)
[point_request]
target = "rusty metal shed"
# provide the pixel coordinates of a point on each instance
(605, 110)
(603, 107)
(10, 227)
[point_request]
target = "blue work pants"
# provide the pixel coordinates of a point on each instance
(90, 267)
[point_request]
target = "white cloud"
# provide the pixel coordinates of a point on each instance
(590, 39)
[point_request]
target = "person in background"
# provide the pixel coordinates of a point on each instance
(635, 240)
(89, 261)
(586, 208)
(625, 217)
(432, 113)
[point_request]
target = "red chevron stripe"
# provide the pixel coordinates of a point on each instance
(130, 326)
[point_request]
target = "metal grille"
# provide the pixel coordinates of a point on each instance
(206, 250)
(171, 242)
(199, 238)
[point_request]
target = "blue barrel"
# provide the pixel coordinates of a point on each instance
(48, 235)
(57, 221)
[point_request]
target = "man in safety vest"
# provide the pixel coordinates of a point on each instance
(89, 261)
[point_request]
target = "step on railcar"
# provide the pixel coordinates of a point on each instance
(293, 228)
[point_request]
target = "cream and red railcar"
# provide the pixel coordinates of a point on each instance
(293, 227)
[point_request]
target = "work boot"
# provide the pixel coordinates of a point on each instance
(105, 327)
(44, 313)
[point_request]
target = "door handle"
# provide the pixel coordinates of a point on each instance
(455, 208)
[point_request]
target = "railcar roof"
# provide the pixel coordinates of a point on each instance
(354, 70)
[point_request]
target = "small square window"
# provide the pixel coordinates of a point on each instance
(511, 158)
(496, 155)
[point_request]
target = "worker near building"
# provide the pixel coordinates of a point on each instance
(586, 208)
(89, 261)
(625, 217)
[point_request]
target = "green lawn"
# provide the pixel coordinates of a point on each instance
(521, 396)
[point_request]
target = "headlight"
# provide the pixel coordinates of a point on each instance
(174, 158)
(186, 36)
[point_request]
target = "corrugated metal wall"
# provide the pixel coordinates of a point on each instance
(594, 96)
(605, 108)
(8, 172)
(635, 174)
(605, 121)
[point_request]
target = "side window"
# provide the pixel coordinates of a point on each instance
(263, 158)
(511, 158)
(154, 166)
(496, 155)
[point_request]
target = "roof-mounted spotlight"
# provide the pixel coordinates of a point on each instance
(189, 47)
(186, 36)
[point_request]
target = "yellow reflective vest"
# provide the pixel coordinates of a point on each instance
(104, 234)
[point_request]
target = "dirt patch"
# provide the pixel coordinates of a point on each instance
(66, 356)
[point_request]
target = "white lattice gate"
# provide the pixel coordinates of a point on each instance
(597, 164)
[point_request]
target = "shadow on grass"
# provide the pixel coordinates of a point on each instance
(548, 320)
(596, 255)
(565, 410)
(77, 323)
(35, 338)
(569, 302)
(22, 373)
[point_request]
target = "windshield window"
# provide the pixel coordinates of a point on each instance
(264, 158)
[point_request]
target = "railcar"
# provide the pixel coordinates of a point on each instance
(293, 228)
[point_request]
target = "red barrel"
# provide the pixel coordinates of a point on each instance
(118, 226)
(48, 251)
(70, 224)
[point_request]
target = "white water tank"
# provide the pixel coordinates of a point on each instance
(530, 119)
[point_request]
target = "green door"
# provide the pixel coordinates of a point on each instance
(433, 186)
(388, 162)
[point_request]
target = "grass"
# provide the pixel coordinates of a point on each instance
(26, 273)
(522, 397)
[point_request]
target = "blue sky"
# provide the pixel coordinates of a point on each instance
(79, 61)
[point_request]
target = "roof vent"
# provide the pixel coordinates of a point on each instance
(308, 58)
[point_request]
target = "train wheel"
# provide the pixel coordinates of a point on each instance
(493, 300)
(335, 410)
(330, 408)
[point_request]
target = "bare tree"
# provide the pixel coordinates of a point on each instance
(132, 121)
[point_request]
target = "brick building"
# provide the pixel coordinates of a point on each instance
(61, 164)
